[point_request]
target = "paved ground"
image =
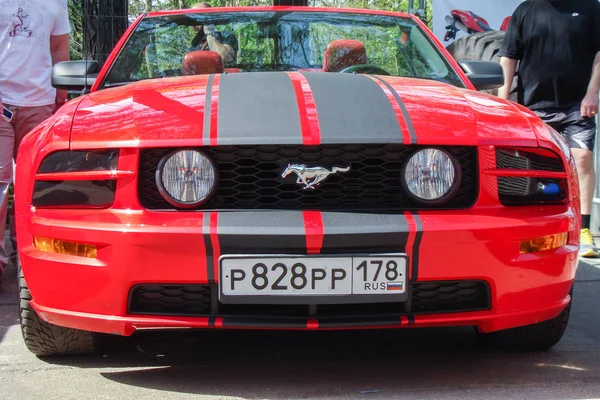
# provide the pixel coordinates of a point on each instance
(424, 364)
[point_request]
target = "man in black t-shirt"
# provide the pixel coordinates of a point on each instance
(208, 38)
(557, 43)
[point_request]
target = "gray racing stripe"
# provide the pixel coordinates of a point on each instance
(353, 109)
(409, 124)
(350, 232)
(258, 108)
(207, 106)
(258, 232)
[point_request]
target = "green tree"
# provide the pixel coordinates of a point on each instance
(76, 38)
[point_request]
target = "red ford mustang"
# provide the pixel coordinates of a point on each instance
(291, 168)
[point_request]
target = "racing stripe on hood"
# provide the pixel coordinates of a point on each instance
(409, 125)
(399, 109)
(214, 110)
(258, 108)
(353, 109)
(311, 132)
(207, 111)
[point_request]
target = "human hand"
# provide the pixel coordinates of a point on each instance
(209, 29)
(504, 92)
(61, 98)
(589, 105)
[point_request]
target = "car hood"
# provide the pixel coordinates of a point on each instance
(295, 108)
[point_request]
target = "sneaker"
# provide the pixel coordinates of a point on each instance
(587, 247)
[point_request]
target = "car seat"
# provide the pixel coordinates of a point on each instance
(202, 62)
(342, 54)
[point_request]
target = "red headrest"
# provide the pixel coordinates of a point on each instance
(341, 54)
(202, 62)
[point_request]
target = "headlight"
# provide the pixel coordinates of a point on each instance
(431, 175)
(80, 161)
(186, 178)
(72, 188)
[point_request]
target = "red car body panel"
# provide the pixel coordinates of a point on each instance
(469, 118)
(140, 246)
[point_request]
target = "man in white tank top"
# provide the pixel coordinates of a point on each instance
(34, 35)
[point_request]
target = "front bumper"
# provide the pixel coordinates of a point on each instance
(141, 248)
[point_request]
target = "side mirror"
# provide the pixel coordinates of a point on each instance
(484, 75)
(75, 75)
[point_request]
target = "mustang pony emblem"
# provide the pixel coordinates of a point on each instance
(311, 177)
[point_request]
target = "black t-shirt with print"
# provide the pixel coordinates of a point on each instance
(556, 42)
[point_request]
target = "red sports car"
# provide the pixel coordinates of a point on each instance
(291, 168)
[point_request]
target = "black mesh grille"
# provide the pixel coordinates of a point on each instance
(195, 300)
(513, 186)
(250, 178)
(449, 296)
(522, 160)
(169, 299)
(527, 191)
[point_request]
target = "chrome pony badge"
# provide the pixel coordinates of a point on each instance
(311, 177)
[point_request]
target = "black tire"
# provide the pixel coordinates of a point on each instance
(481, 46)
(44, 339)
(537, 337)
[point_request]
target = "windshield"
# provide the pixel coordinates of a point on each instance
(283, 41)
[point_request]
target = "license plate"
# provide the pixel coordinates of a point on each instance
(258, 279)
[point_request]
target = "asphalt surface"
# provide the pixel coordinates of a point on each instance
(418, 363)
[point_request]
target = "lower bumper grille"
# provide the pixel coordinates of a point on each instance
(201, 300)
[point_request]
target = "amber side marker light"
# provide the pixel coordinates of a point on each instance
(549, 242)
(50, 245)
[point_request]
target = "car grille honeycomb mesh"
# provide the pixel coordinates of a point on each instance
(169, 299)
(197, 300)
(449, 296)
(250, 178)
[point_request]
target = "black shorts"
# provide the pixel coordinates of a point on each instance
(579, 132)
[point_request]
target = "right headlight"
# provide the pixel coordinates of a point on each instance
(431, 175)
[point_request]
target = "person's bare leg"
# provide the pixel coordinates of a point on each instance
(7, 139)
(587, 178)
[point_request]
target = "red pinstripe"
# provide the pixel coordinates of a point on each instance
(412, 233)
(397, 110)
(214, 111)
(313, 225)
(309, 120)
(219, 322)
(214, 239)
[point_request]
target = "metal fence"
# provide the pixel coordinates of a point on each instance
(105, 22)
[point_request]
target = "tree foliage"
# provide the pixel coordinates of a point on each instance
(136, 7)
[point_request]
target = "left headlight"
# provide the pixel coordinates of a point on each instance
(76, 179)
(186, 178)
(431, 175)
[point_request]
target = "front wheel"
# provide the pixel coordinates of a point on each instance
(535, 337)
(45, 339)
